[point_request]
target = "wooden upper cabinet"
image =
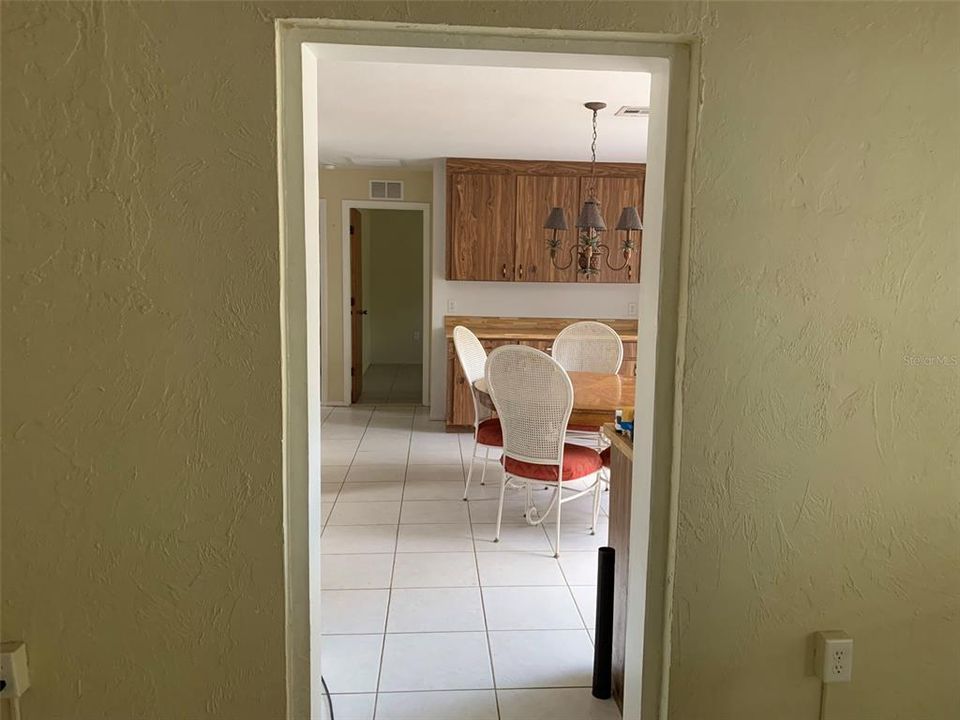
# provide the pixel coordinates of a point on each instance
(480, 226)
(613, 194)
(536, 195)
(496, 210)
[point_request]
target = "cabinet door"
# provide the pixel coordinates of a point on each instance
(536, 195)
(481, 214)
(613, 194)
(461, 401)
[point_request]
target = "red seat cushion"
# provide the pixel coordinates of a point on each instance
(583, 428)
(578, 462)
(605, 457)
(490, 433)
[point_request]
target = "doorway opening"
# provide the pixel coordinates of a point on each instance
(386, 301)
(300, 45)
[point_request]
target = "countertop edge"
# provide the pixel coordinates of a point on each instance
(618, 440)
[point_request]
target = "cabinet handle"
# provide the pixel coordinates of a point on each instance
(520, 270)
(533, 269)
(504, 271)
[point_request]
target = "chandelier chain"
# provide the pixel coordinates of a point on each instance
(593, 161)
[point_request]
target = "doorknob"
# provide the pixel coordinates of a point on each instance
(363, 312)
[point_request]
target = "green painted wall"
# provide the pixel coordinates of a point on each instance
(394, 296)
(142, 504)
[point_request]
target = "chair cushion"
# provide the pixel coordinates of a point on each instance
(490, 433)
(578, 462)
(605, 457)
(583, 428)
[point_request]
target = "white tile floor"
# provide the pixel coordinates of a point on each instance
(392, 384)
(424, 617)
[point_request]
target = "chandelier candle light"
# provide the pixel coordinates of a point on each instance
(590, 224)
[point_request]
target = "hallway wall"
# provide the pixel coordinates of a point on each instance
(393, 286)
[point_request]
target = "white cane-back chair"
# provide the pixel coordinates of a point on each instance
(487, 434)
(588, 346)
(534, 398)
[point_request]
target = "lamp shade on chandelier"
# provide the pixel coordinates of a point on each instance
(590, 224)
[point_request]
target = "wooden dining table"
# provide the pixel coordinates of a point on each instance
(596, 396)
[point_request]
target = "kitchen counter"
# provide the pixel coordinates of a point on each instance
(526, 328)
(620, 441)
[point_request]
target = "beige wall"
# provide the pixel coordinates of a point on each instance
(395, 296)
(142, 512)
(142, 554)
(353, 184)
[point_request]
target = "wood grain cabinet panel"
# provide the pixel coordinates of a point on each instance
(613, 194)
(496, 210)
(480, 226)
(461, 403)
(536, 195)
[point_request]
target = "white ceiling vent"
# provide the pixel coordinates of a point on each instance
(386, 189)
(633, 111)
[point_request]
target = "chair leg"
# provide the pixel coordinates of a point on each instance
(473, 459)
(556, 553)
(486, 459)
(596, 505)
(503, 487)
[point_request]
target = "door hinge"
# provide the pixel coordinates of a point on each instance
(353, 371)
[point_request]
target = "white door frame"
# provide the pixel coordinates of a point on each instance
(324, 301)
(662, 313)
(424, 208)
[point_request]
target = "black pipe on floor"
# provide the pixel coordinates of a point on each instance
(603, 634)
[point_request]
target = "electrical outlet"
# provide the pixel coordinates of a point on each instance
(632, 309)
(833, 656)
(14, 674)
(451, 305)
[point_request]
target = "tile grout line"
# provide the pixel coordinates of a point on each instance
(480, 588)
(349, 467)
(393, 566)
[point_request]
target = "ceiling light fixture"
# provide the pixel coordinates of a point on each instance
(590, 224)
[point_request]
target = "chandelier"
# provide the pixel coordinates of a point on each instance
(588, 251)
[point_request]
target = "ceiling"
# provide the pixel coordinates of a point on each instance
(374, 113)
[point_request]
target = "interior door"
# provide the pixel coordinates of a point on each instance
(613, 194)
(536, 195)
(356, 305)
(480, 226)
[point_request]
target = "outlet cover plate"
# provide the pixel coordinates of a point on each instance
(833, 658)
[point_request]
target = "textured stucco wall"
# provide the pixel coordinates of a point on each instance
(142, 505)
(141, 419)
